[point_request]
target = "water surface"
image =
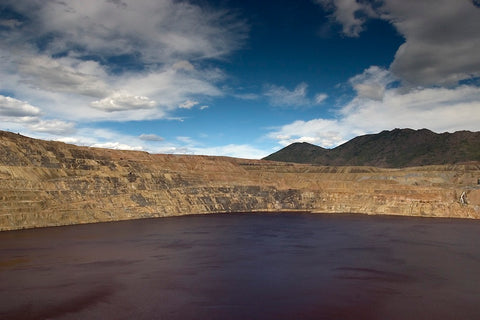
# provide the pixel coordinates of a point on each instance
(244, 266)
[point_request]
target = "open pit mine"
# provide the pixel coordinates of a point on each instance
(47, 183)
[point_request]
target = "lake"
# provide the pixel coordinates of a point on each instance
(244, 266)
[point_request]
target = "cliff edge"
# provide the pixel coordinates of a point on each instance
(46, 183)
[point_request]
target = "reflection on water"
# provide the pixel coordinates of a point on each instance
(244, 266)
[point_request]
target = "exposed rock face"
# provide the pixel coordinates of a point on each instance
(46, 183)
(389, 149)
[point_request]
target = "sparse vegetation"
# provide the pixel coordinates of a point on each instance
(390, 149)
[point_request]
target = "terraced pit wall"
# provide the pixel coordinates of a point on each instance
(45, 183)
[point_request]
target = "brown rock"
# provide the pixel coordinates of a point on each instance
(45, 183)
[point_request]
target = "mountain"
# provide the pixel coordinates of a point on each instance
(389, 149)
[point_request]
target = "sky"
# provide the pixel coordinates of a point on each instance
(241, 78)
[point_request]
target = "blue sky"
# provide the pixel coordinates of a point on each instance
(239, 78)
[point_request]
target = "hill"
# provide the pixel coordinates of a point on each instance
(48, 183)
(389, 149)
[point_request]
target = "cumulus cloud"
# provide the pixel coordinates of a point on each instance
(372, 82)
(55, 127)
(172, 89)
(114, 60)
(159, 31)
(324, 132)
(279, 96)
(62, 75)
(11, 107)
(20, 115)
(439, 109)
(441, 36)
(121, 101)
(440, 47)
(104, 138)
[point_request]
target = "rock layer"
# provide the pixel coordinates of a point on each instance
(45, 183)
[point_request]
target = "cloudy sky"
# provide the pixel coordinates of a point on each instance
(240, 78)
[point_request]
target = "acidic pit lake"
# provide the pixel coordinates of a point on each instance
(244, 266)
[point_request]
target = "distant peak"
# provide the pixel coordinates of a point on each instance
(389, 148)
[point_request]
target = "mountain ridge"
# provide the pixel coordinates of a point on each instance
(389, 149)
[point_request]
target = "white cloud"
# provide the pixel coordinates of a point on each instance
(175, 150)
(11, 107)
(438, 109)
(62, 75)
(160, 31)
(282, 97)
(56, 127)
(121, 101)
(103, 138)
(69, 87)
(21, 116)
(189, 104)
(114, 60)
(154, 144)
(189, 145)
(441, 36)
(117, 146)
(172, 89)
(324, 132)
(372, 82)
(231, 150)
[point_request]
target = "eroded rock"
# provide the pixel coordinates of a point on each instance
(45, 183)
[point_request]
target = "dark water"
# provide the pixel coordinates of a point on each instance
(244, 266)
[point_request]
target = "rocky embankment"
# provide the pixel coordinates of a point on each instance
(45, 183)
